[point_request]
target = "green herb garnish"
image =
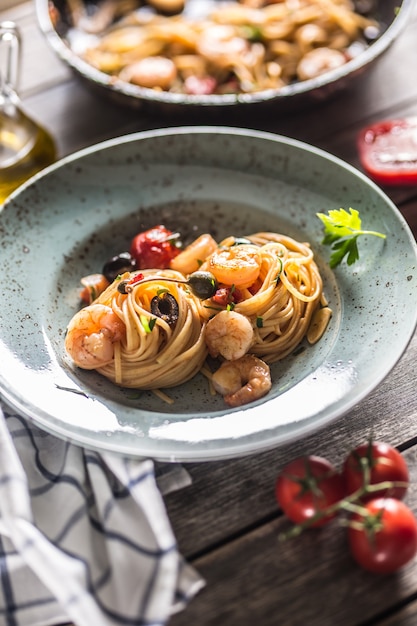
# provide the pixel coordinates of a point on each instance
(341, 231)
(147, 323)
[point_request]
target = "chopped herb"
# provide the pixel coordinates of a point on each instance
(147, 323)
(259, 322)
(278, 276)
(252, 33)
(341, 232)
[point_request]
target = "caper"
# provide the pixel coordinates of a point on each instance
(202, 284)
(166, 307)
(123, 262)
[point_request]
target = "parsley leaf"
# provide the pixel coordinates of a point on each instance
(341, 231)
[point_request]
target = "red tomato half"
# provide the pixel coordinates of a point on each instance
(386, 536)
(153, 248)
(383, 462)
(306, 487)
(388, 151)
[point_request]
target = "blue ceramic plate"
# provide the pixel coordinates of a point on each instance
(66, 222)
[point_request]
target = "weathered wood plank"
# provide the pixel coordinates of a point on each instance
(406, 616)
(257, 579)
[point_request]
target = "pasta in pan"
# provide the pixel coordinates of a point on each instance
(240, 47)
(251, 302)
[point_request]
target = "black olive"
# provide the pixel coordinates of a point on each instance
(202, 284)
(166, 307)
(121, 287)
(123, 262)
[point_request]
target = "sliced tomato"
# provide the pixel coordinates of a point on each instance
(308, 486)
(154, 248)
(388, 151)
(225, 295)
(383, 537)
(376, 462)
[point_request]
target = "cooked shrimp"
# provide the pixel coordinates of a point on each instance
(229, 334)
(243, 380)
(220, 44)
(190, 259)
(318, 61)
(236, 265)
(91, 336)
(154, 72)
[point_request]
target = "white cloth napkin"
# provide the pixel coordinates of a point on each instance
(84, 537)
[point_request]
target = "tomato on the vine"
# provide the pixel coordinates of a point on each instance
(383, 538)
(306, 487)
(380, 462)
(154, 248)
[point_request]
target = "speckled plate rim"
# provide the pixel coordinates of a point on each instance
(344, 373)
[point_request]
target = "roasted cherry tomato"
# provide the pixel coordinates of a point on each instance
(381, 462)
(154, 248)
(388, 151)
(384, 538)
(306, 487)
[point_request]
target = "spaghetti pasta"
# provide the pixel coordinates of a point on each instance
(266, 286)
(288, 291)
(153, 354)
(239, 47)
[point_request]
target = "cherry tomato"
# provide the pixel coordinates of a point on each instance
(388, 151)
(306, 487)
(383, 462)
(384, 538)
(227, 295)
(154, 248)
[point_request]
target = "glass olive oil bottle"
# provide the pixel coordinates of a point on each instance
(25, 147)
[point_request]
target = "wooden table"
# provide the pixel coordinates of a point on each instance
(227, 522)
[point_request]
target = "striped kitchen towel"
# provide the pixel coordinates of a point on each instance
(84, 536)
